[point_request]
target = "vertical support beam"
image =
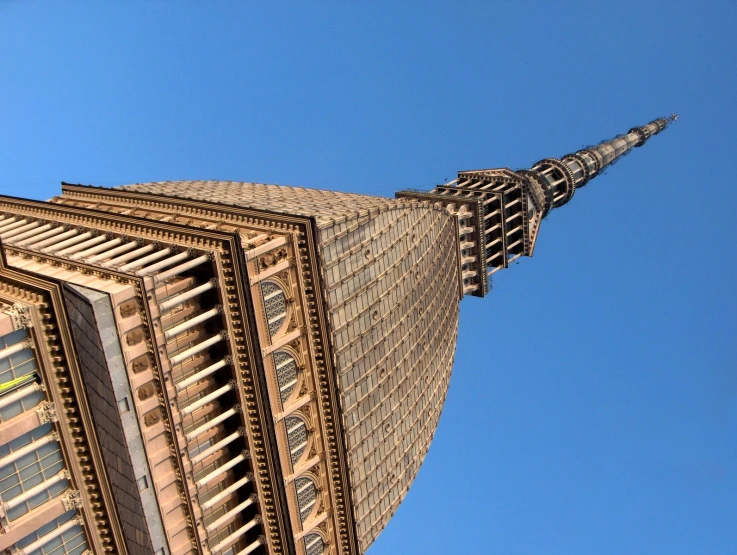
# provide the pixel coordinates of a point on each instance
(201, 456)
(98, 248)
(194, 292)
(214, 500)
(12, 225)
(55, 239)
(163, 264)
(201, 375)
(192, 322)
(114, 252)
(230, 540)
(68, 242)
(253, 546)
(145, 260)
(222, 469)
(231, 514)
(19, 231)
(80, 246)
(158, 278)
(129, 256)
(31, 522)
(176, 359)
(30, 233)
(55, 533)
(36, 238)
(212, 423)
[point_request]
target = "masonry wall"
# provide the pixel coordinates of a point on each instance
(107, 423)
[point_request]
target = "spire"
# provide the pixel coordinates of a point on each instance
(499, 211)
(561, 177)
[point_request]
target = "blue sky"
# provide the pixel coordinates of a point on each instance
(593, 405)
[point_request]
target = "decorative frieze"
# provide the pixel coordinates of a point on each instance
(71, 500)
(47, 413)
(20, 315)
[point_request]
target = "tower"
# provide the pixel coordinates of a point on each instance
(500, 210)
(233, 368)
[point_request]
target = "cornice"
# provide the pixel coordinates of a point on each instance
(227, 213)
(307, 266)
(141, 294)
(114, 223)
(329, 403)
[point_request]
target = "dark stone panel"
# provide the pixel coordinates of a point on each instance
(107, 423)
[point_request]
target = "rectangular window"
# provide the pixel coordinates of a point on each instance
(30, 470)
(17, 365)
(71, 541)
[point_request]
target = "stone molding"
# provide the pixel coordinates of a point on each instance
(20, 315)
(72, 500)
(316, 335)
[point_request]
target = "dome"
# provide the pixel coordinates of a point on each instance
(392, 290)
(390, 278)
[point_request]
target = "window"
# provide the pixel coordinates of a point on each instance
(224, 530)
(12, 371)
(314, 544)
(286, 374)
(34, 467)
(306, 496)
(296, 437)
(61, 536)
(275, 306)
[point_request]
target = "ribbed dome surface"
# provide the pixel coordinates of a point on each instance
(392, 290)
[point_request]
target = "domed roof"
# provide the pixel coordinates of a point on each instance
(391, 285)
(325, 206)
(391, 282)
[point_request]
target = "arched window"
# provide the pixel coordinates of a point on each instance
(296, 437)
(286, 374)
(275, 305)
(306, 496)
(314, 544)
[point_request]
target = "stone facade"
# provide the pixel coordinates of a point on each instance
(390, 279)
(229, 368)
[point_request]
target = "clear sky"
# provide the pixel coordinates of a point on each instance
(593, 404)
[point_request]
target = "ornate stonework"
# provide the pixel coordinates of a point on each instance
(20, 315)
(262, 373)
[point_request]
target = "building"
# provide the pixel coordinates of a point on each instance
(233, 368)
